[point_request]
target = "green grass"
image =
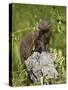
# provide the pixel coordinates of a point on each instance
(25, 18)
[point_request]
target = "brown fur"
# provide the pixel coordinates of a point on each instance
(39, 39)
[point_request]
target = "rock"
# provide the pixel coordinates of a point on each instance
(40, 65)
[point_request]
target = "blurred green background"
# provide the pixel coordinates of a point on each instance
(25, 18)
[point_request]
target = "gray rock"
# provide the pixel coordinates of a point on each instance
(40, 65)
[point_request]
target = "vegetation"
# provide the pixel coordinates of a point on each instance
(25, 18)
